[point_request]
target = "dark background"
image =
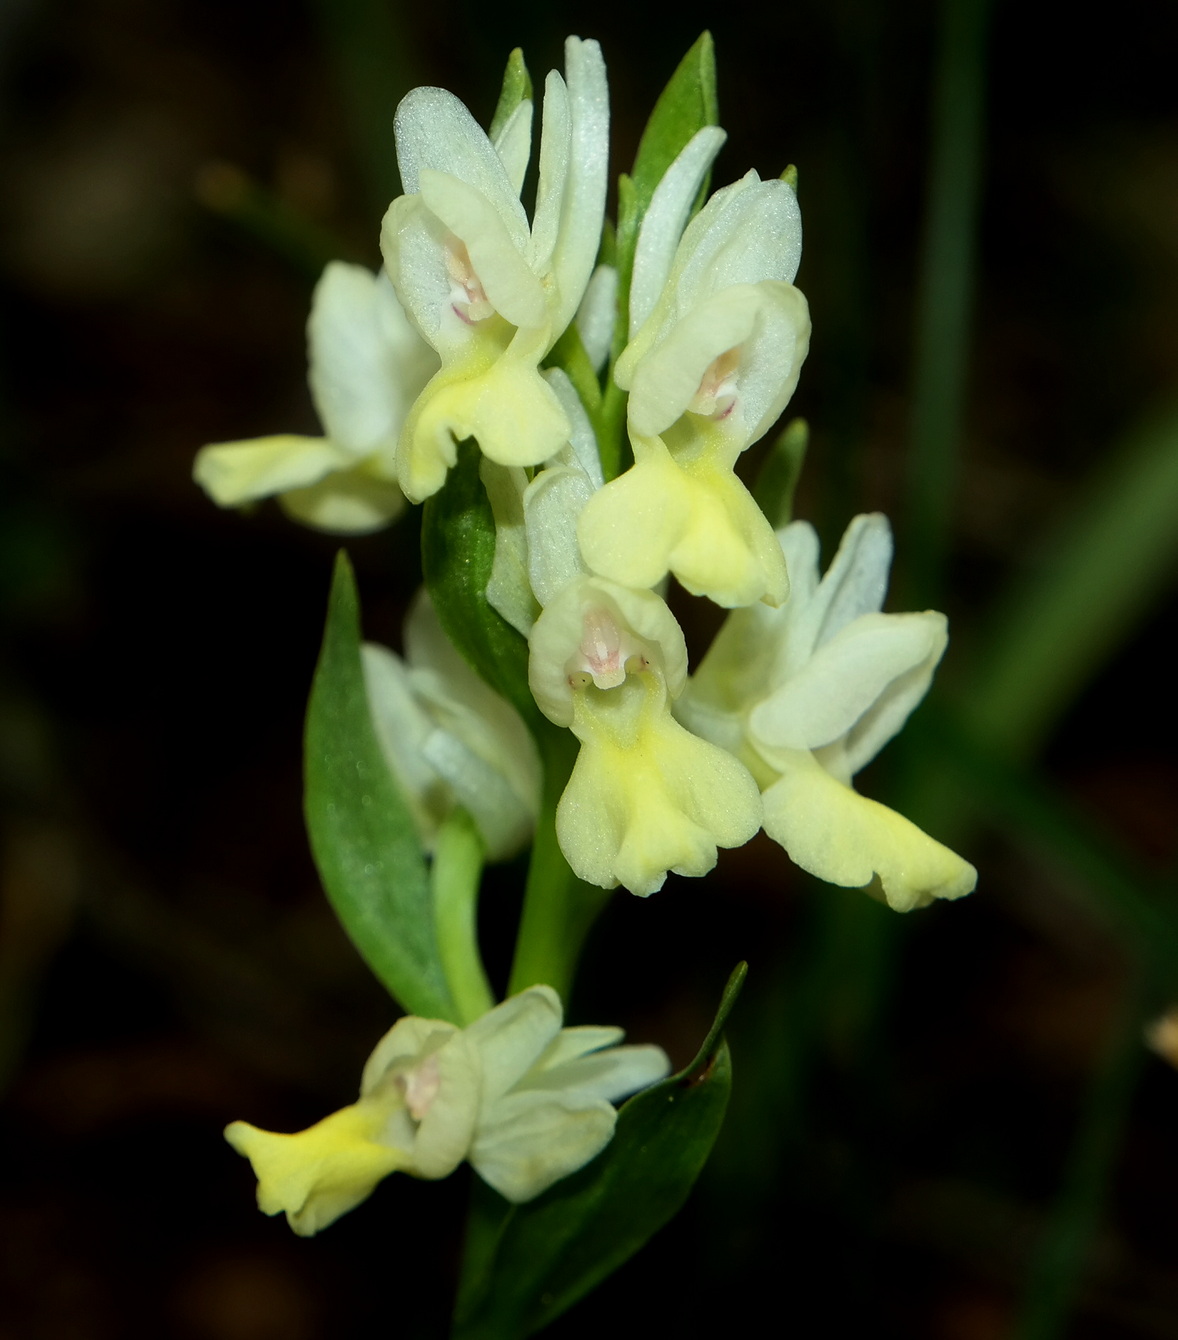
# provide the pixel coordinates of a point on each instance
(909, 1091)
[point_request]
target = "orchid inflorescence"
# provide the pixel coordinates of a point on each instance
(527, 336)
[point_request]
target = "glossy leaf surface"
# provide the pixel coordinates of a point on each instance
(527, 1264)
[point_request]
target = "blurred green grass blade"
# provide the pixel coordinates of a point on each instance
(1094, 583)
(527, 1264)
(685, 106)
(370, 46)
(227, 191)
(362, 835)
(1143, 910)
(1057, 1266)
(945, 295)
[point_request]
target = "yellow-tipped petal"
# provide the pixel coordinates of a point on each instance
(318, 1174)
(232, 473)
(505, 404)
(844, 838)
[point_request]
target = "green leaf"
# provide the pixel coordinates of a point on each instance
(685, 106)
(362, 835)
(526, 1264)
(457, 551)
(517, 88)
(1096, 579)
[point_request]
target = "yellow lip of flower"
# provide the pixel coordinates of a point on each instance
(489, 291)
(687, 514)
(320, 1173)
(367, 366)
(526, 1101)
(809, 693)
(645, 796)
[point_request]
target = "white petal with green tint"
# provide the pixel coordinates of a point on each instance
(435, 132)
(366, 361)
(513, 144)
(582, 196)
(513, 1035)
(511, 286)
(531, 1140)
(846, 677)
(665, 219)
(346, 502)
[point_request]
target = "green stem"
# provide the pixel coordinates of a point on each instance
(457, 870)
(946, 291)
(559, 908)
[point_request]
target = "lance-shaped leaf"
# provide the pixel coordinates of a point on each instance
(529, 1263)
(362, 833)
(686, 105)
(457, 553)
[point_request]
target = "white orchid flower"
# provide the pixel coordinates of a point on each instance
(367, 366)
(489, 291)
(718, 335)
(450, 740)
(809, 693)
(523, 1100)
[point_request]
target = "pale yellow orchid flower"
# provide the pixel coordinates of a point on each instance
(367, 366)
(718, 335)
(809, 693)
(488, 290)
(523, 1100)
(645, 796)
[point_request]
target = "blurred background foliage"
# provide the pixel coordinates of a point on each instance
(944, 1125)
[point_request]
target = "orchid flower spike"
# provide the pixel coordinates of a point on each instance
(525, 1101)
(489, 291)
(645, 795)
(808, 694)
(367, 366)
(718, 335)
(450, 740)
